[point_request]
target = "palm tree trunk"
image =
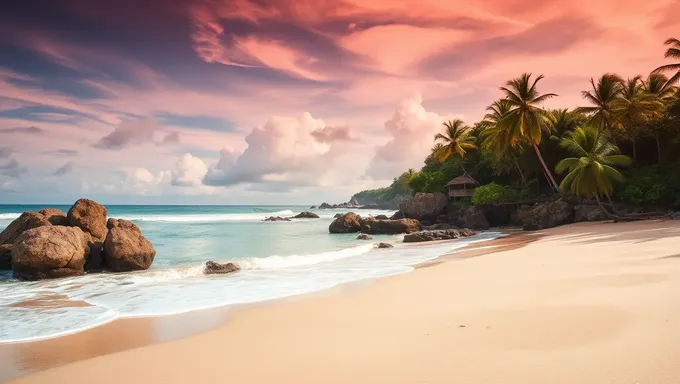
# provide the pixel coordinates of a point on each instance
(521, 174)
(545, 168)
(634, 150)
(658, 146)
(599, 203)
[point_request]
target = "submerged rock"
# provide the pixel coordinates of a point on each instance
(347, 223)
(439, 234)
(89, 216)
(364, 236)
(214, 268)
(49, 251)
(306, 215)
(125, 248)
(276, 218)
(384, 245)
(389, 227)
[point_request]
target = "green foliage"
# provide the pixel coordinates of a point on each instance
(652, 185)
(382, 195)
(494, 193)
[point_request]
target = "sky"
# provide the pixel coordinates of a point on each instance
(278, 101)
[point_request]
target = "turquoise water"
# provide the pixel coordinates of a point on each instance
(278, 259)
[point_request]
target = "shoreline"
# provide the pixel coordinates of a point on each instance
(588, 303)
(121, 334)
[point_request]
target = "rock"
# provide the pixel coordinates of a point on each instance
(472, 217)
(276, 218)
(384, 245)
(54, 216)
(389, 227)
(425, 206)
(49, 251)
(125, 248)
(312, 207)
(438, 226)
(353, 202)
(306, 215)
(398, 215)
(89, 216)
(347, 223)
(27, 220)
(364, 236)
(337, 215)
(588, 212)
(325, 206)
(546, 215)
(95, 255)
(498, 215)
(381, 217)
(440, 234)
(213, 268)
(674, 215)
(6, 256)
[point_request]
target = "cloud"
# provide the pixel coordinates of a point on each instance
(412, 130)
(189, 171)
(129, 133)
(329, 134)
(62, 152)
(64, 169)
(285, 153)
(32, 130)
(171, 138)
(5, 152)
(12, 169)
(138, 181)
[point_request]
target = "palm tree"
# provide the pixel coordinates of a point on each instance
(632, 108)
(661, 92)
(457, 140)
(602, 96)
(495, 137)
(564, 121)
(591, 172)
(526, 121)
(673, 52)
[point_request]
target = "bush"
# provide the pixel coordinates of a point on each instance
(651, 185)
(494, 193)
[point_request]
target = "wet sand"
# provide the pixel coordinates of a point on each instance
(588, 303)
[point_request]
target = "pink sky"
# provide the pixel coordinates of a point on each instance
(275, 102)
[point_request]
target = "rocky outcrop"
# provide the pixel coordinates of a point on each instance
(364, 236)
(440, 234)
(125, 248)
(389, 227)
(54, 216)
(306, 215)
(438, 226)
(384, 245)
(381, 217)
(424, 206)
(276, 218)
(214, 268)
(472, 217)
(347, 223)
(352, 204)
(89, 216)
(6, 256)
(546, 215)
(49, 251)
(588, 212)
(27, 220)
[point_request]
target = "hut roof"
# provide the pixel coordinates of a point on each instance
(460, 180)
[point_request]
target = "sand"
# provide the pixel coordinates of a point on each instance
(588, 303)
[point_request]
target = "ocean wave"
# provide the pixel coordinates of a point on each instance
(9, 215)
(205, 218)
(278, 262)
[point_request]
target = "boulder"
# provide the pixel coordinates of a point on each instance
(325, 206)
(384, 245)
(306, 215)
(276, 218)
(89, 216)
(588, 212)
(440, 234)
(472, 217)
(54, 216)
(95, 255)
(214, 268)
(337, 215)
(125, 248)
(347, 223)
(49, 251)
(498, 215)
(438, 226)
(389, 227)
(6, 256)
(398, 215)
(424, 206)
(312, 207)
(381, 217)
(546, 215)
(27, 220)
(364, 236)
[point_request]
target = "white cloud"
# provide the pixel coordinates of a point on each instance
(189, 171)
(412, 129)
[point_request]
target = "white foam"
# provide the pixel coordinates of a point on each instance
(277, 262)
(206, 218)
(9, 215)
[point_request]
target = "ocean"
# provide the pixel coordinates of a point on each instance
(278, 259)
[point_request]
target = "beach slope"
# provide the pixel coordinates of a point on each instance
(588, 304)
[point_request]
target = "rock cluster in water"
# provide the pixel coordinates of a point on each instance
(50, 243)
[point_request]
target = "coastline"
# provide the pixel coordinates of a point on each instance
(591, 303)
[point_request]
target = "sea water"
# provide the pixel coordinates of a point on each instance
(278, 259)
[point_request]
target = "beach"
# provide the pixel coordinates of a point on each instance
(583, 303)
